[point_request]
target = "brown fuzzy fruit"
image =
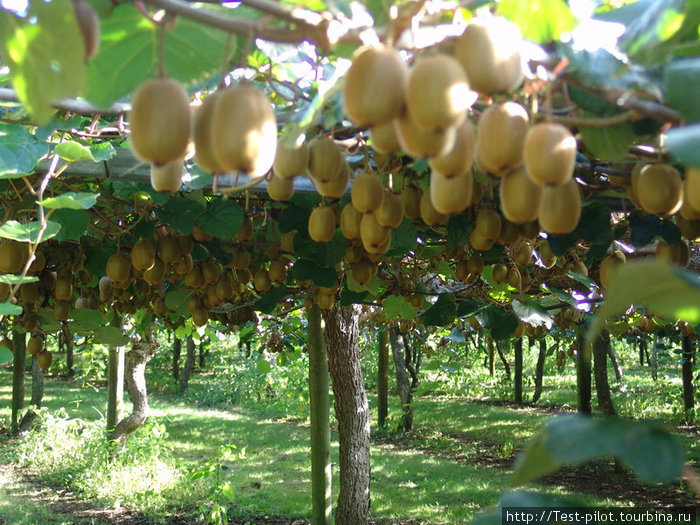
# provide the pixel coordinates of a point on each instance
(609, 265)
(390, 213)
(489, 51)
(660, 189)
(44, 359)
(200, 316)
(372, 233)
(367, 192)
(12, 257)
(362, 271)
(418, 142)
(154, 275)
(168, 250)
(335, 188)
(325, 159)
(290, 162)
(460, 158)
(89, 26)
(167, 177)
(499, 272)
(478, 242)
(277, 271)
(488, 224)
(7, 343)
(500, 137)
(261, 280)
(35, 345)
(692, 188)
(143, 255)
(280, 189)
(375, 85)
(245, 232)
(322, 224)
(560, 208)
(61, 310)
(522, 252)
(160, 121)
(202, 135)
(63, 289)
(451, 195)
(438, 94)
(429, 214)
(520, 197)
(244, 130)
(549, 153)
(384, 139)
(350, 220)
(411, 197)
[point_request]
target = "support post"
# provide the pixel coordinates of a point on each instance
(18, 364)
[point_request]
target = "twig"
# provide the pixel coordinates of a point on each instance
(69, 104)
(593, 122)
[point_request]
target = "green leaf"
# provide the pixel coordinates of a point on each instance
(17, 279)
(74, 224)
(267, 303)
(109, 335)
(498, 321)
(534, 461)
(663, 288)
(20, 151)
(308, 270)
(192, 53)
(396, 307)
(96, 255)
(263, 366)
(293, 218)
(47, 320)
(102, 151)
(176, 300)
(180, 214)
(610, 142)
(471, 306)
(73, 151)
(85, 321)
(71, 200)
(458, 229)
(594, 227)
(348, 297)
(539, 20)
(45, 53)
(326, 254)
(533, 313)
(5, 355)
(645, 227)
(682, 143)
(442, 312)
(29, 231)
(678, 75)
(222, 218)
(10, 309)
(403, 239)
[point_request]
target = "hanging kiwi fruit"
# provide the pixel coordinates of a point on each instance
(549, 153)
(500, 137)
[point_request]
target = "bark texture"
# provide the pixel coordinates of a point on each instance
(518, 369)
(352, 412)
(115, 386)
(177, 348)
(383, 379)
(135, 375)
(539, 370)
(687, 373)
(506, 365)
(600, 369)
(189, 364)
(67, 339)
(615, 363)
(37, 396)
(20, 343)
(583, 376)
(403, 381)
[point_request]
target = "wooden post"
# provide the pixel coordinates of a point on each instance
(18, 365)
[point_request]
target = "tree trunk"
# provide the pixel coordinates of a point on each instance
(383, 379)
(492, 358)
(321, 473)
(655, 358)
(539, 370)
(115, 386)
(503, 358)
(135, 374)
(641, 352)
(518, 369)
(37, 396)
(19, 362)
(583, 376)
(351, 411)
(177, 349)
(687, 372)
(616, 365)
(402, 382)
(189, 364)
(600, 369)
(203, 352)
(412, 363)
(67, 339)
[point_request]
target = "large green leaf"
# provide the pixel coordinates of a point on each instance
(20, 151)
(45, 53)
(683, 142)
(442, 312)
(500, 322)
(610, 142)
(86, 321)
(109, 335)
(72, 151)
(71, 200)
(403, 239)
(74, 224)
(5, 355)
(678, 75)
(29, 231)
(267, 303)
(326, 254)
(222, 218)
(396, 307)
(533, 313)
(192, 52)
(16, 279)
(10, 309)
(180, 214)
(176, 300)
(645, 227)
(309, 270)
(663, 288)
(539, 20)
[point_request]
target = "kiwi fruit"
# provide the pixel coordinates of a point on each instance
(35, 345)
(4, 290)
(489, 52)
(668, 253)
(375, 86)
(510, 232)
(63, 290)
(29, 292)
(202, 135)
(499, 272)
(418, 142)
(350, 220)
(277, 271)
(61, 310)
(362, 271)
(154, 275)
(167, 177)
(384, 139)
(287, 241)
(325, 159)
(200, 316)
(38, 263)
(372, 233)
(522, 252)
(500, 137)
(692, 188)
(168, 250)
(687, 211)
(245, 232)
(438, 94)
(488, 224)
(459, 159)
(211, 271)
(451, 195)
(290, 162)
(549, 153)
(261, 280)
(322, 224)
(660, 189)
(462, 271)
(560, 208)
(429, 214)
(475, 263)
(280, 189)
(89, 26)
(411, 197)
(143, 255)
(334, 189)
(6, 342)
(244, 130)
(478, 242)
(520, 197)
(690, 229)
(12, 257)
(160, 121)
(514, 278)
(367, 192)
(390, 212)
(608, 266)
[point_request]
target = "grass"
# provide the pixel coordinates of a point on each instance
(270, 474)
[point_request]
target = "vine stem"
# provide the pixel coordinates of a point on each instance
(243, 187)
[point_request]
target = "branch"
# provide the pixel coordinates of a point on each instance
(322, 33)
(593, 122)
(69, 104)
